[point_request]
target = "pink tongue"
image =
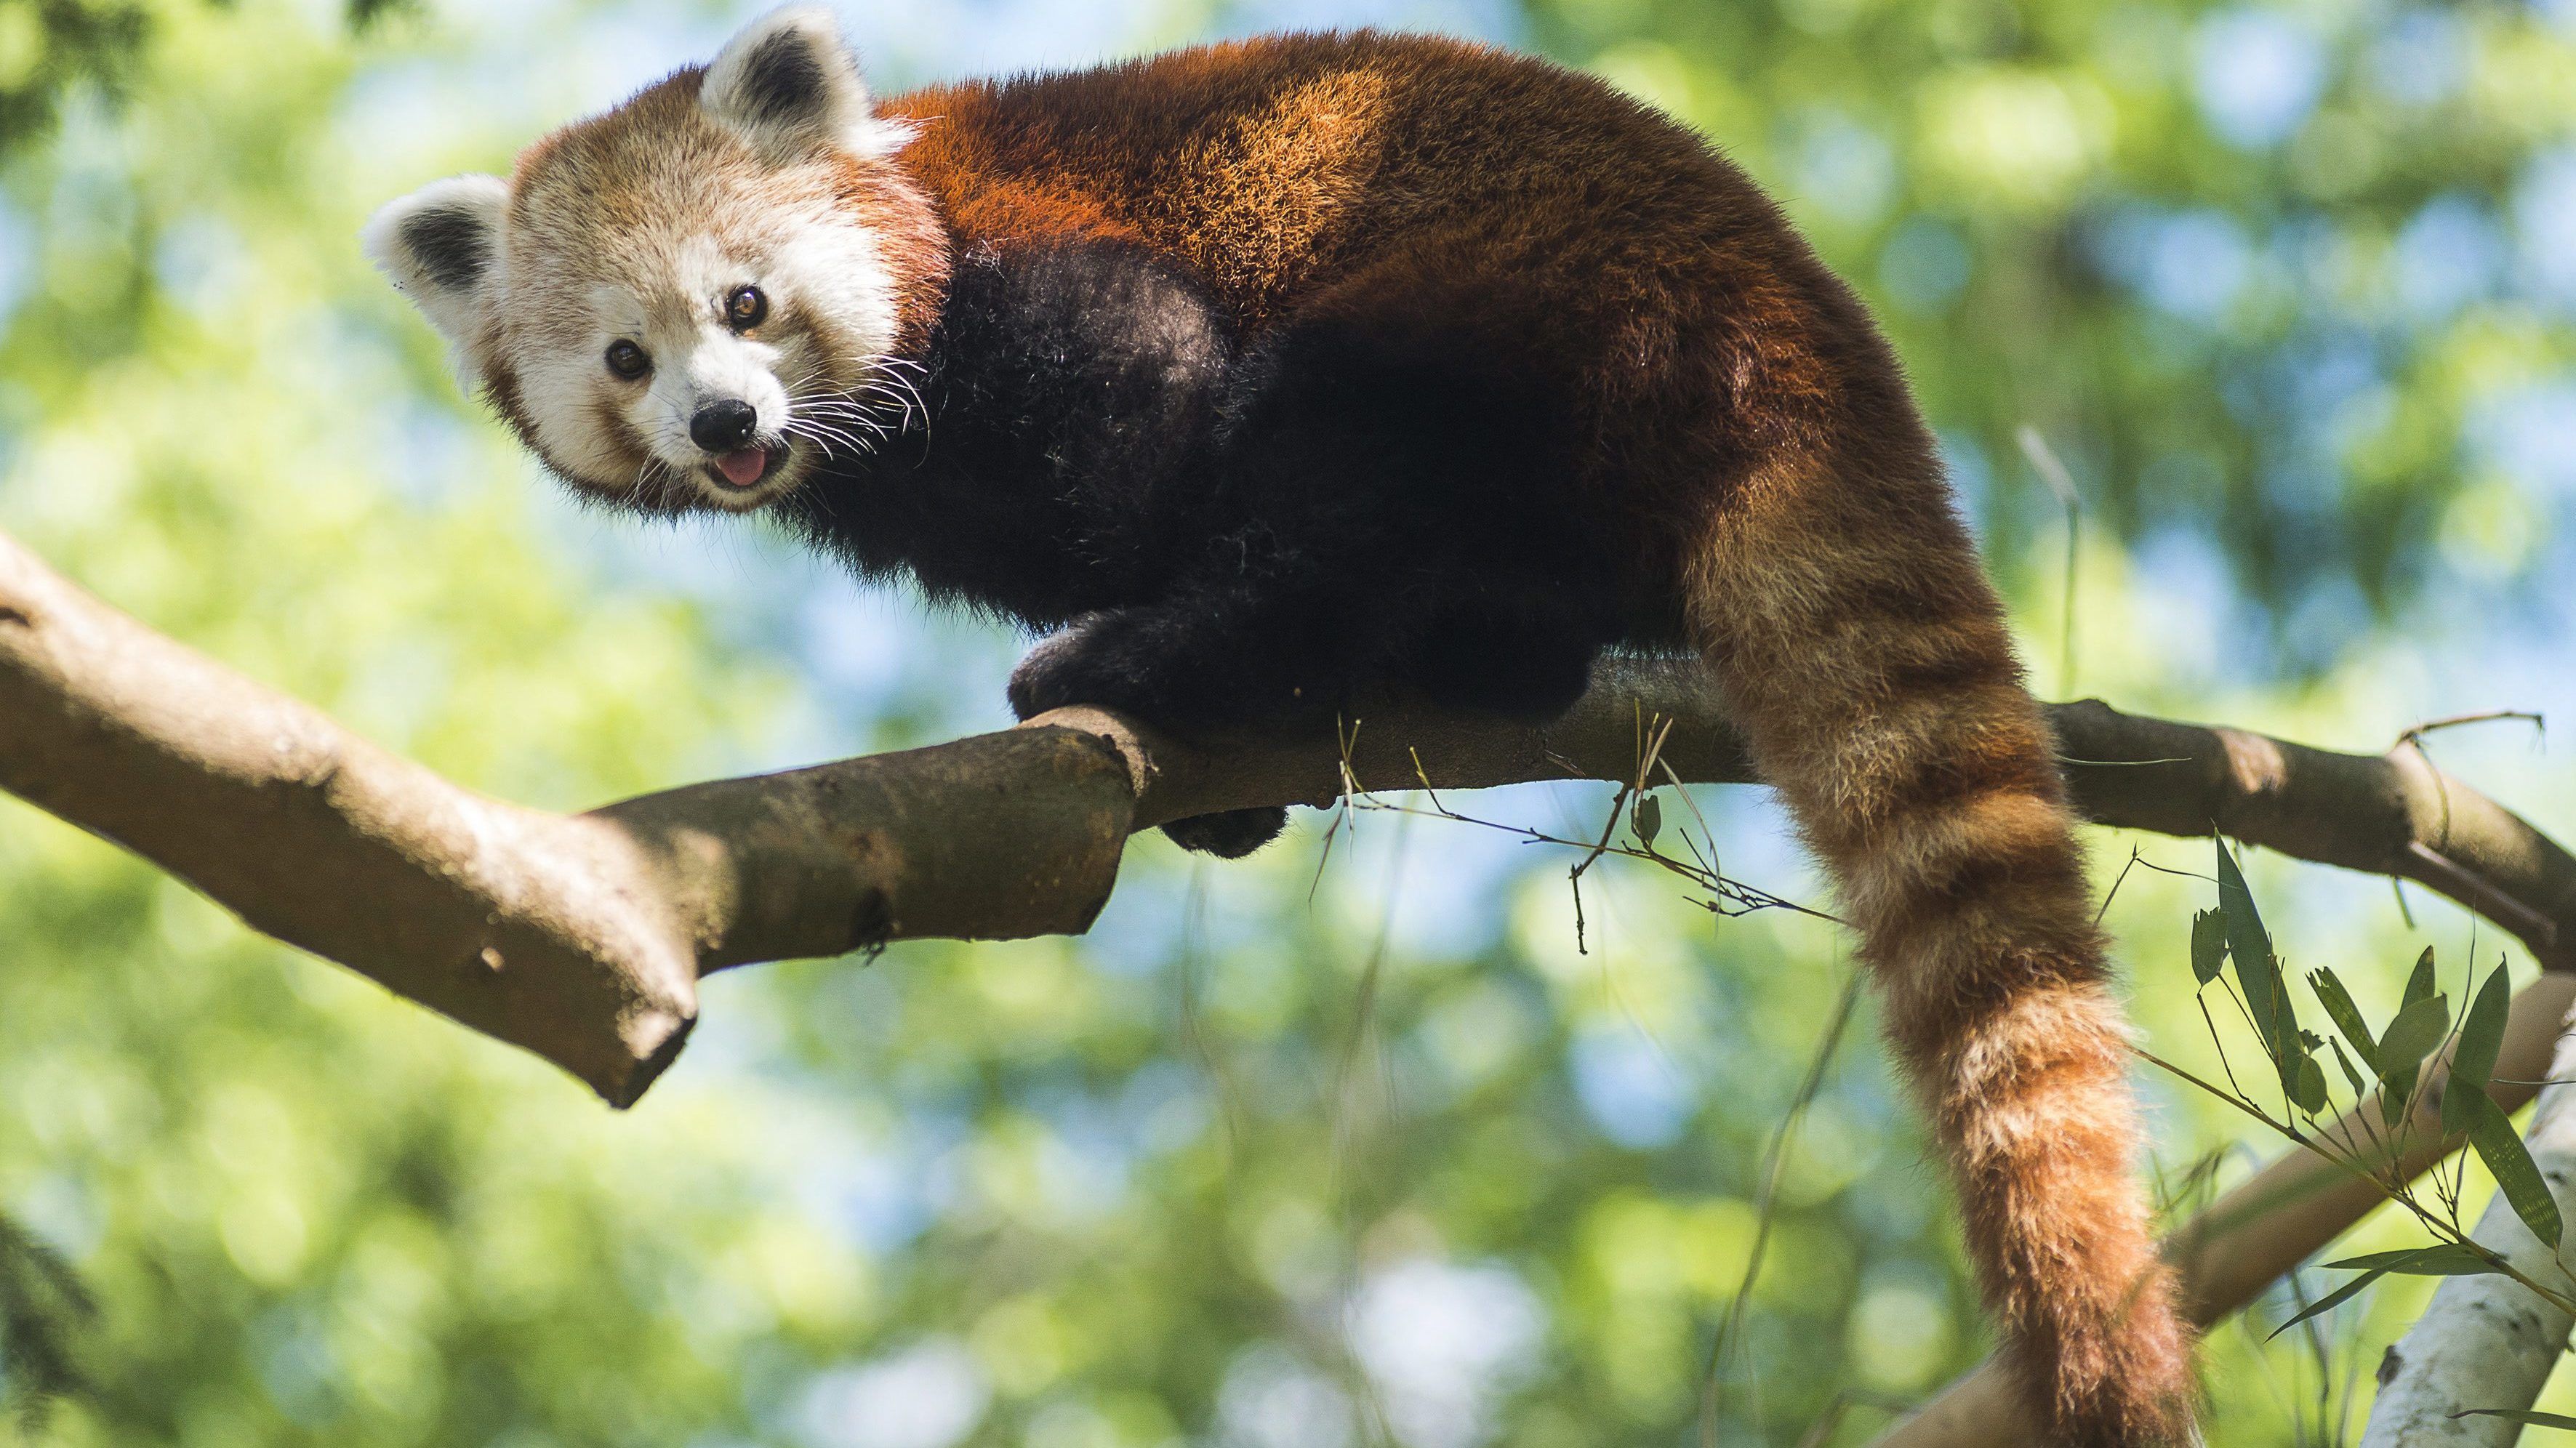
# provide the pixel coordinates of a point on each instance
(744, 467)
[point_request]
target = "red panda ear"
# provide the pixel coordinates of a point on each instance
(788, 84)
(441, 247)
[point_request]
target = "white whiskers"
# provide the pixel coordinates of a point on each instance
(854, 421)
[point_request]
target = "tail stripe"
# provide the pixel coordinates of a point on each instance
(1865, 656)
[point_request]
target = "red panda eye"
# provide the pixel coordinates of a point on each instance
(628, 360)
(746, 307)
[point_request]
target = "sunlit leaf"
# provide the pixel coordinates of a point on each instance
(2258, 975)
(2473, 1061)
(2420, 981)
(2491, 1132)
(2442, 1259)
(2331, 1300)
(2346, 1016)
(2410, 1037)
(2351, 1077)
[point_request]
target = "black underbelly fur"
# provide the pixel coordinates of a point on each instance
(1242, 531)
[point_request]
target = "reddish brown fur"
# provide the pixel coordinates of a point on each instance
(1749, 446)
(1826, 575)
(1948, 827)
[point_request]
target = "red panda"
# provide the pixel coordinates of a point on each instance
(1265, 373)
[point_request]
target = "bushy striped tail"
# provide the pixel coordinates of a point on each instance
(1864, 653)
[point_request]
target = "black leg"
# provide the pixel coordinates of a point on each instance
(1198, 663)
(1205, 661)
(1174, 667)
(1519, 665)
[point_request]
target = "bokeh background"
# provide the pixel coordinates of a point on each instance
(1296, 1153)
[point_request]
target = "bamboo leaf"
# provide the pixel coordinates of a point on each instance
(2442, 1259)
(2258, 975)
(2481, 1037)
(2208, 945)
(2347, 1017)
(2351, 1077)
(2419, 985)
(2412, 1035)
(2309, 1091)
(2491, 1132)
(2330, 1301)
(2246, 937)
(2417, 1029)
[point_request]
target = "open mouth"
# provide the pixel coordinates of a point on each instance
(746, 468)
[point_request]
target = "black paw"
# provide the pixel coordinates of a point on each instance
(1230, 835)
(1061, 671)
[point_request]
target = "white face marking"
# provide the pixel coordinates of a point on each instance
(637, 227)
(837, 270)
(809, 371)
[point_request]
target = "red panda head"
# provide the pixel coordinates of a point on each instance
(686, 302)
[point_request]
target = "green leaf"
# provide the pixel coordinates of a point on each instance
(2330, 1301)
(2529, 1417)
(2351, 1077)
(2346, 1016)
(2208, 945)
(2258, 974)
(2442, 1259)
(2481, 1037)
(2419, 986)
(1647, 819)
(2246, 937)
(2410, 1037)
(2308, 1093)
(2491, 1132)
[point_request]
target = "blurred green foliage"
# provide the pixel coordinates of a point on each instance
(48, 47)
(2294, 278)
(1293, 1153)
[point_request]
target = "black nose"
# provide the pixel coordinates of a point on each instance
(722, 427)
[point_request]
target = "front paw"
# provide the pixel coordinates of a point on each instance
(1229, 834)
(1060, 671)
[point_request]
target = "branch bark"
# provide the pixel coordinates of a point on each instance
(582, 937)
(2488, 1342)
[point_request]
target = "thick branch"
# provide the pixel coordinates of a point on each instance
(582, 937)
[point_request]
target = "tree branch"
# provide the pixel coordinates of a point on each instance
(2267, 1224)
(582, 937)
(2488, 1341)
